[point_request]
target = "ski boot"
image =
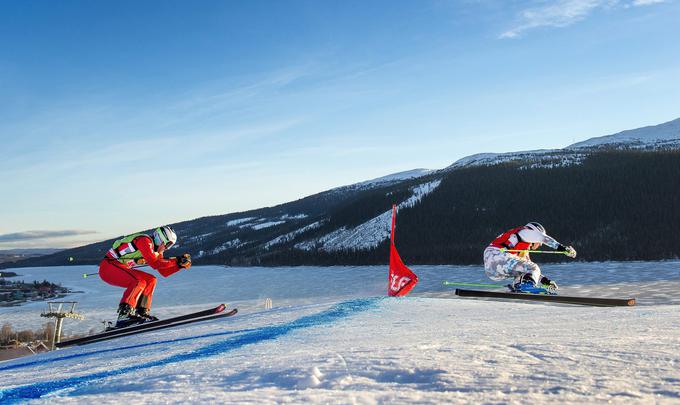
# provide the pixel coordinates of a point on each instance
(127, 317)
(144, 313)
(526, 285)
(527, 288)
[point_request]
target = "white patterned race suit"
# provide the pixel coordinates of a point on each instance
(499, 265)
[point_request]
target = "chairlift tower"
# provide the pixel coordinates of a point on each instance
(58, 310)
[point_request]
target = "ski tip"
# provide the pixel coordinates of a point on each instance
(631, 302)
(220, 308)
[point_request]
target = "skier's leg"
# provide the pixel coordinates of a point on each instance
(117, 274)
(523, 268)
(146, 296)
(496, 264)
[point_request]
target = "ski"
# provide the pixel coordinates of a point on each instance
(598, 302)
(97, 339)
(146, 326)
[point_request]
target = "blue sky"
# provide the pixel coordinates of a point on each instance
(121, 116)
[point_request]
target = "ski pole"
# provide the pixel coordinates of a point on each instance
(533, 251)
(86, 275)
(485, 285)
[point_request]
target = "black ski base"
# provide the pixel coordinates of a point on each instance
(209, 314)
(597, 302)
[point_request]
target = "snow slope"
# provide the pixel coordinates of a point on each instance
(292, 235)
(331, 338)
(369, 234)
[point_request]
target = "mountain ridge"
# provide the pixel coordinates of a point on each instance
(664, 132)
(349, 224)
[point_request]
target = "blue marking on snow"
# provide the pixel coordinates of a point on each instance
(118, 349)
(337, 312)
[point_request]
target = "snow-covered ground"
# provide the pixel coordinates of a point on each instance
(332, 338)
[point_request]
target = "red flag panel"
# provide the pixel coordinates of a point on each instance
(401, 279)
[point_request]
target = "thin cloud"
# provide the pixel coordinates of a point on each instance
(566, 12)
(638, 3)
(40, 235)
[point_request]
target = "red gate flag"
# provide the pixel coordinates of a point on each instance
(401, 279)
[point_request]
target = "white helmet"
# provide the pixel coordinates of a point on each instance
(536, 227)
(164, 235)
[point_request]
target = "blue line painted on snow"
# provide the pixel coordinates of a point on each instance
(333, 314)
(118, 349)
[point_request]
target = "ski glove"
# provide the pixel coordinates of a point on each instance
(548, 284)
(184, 261)
(568, 250)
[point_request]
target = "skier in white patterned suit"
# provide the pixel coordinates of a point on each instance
(507, 256)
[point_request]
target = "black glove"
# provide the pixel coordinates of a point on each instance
(184, 261)
(568, 250)
(548, 283)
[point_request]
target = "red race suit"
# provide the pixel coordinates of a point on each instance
(139, 286)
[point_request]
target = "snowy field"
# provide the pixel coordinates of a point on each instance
(332, 338)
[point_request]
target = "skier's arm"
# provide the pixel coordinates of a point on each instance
(568, 250)
(532, 236)
(164, 266)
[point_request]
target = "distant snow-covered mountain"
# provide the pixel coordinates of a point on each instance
(546, 158)
(386, 180)
(662, 134)
(666, 135)
(410, 174)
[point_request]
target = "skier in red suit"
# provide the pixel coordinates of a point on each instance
(118, 269)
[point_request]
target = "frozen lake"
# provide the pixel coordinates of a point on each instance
(332, 338)
(202, 286)
(652, 283)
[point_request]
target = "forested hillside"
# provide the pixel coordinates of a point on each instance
(619, 205)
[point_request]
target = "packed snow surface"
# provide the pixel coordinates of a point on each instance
(333, 338)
